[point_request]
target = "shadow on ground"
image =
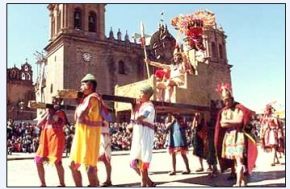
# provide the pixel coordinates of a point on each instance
(135, 185)
(221, 179)
(269, 175)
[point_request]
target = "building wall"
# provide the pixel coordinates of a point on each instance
(18, 90)
(54, 69)
(104, 63)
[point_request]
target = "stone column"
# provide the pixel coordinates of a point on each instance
(101, 22)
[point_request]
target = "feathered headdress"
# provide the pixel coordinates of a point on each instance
(200, 18)
(225, 90)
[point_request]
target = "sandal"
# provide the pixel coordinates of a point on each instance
(186, 172)
(172, 173)
(106, 184)
(152, 184)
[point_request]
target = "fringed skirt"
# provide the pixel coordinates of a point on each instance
(233, 145)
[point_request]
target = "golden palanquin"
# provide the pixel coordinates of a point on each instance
(195, 91)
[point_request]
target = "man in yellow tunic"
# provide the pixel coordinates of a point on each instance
(86, 142)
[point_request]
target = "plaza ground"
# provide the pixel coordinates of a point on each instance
(21, 172)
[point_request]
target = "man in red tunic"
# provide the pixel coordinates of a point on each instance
(52, 141)
(233, 145)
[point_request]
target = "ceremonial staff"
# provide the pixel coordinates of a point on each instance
(143, 42)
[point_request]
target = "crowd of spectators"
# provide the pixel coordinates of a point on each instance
(121, 136)
(24, 136)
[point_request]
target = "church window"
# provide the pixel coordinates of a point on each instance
(78, 19)
(13, 74)
(28, 77)
(221, 51)
(213, 49)
(51, 88)
(121, 67)
(23, 76)
(92, 22)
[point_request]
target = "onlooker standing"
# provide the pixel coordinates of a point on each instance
(198, 139)
(177, 142)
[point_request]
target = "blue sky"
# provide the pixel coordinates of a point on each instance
(255, 42)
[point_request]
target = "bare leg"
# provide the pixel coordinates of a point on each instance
(160, 90)
(214, 170)
(200, 162)
(41, 173)
(170, 91)
(145, 180)
(275, 157)
(240, 172)
(60, 173)
(186, 162)
(173, 156)
(92, 176)
(76, 175)
(280, 154)
(108, 171)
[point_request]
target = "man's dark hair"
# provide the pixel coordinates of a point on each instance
(94, 84)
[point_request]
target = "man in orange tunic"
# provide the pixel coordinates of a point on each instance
(52, 141)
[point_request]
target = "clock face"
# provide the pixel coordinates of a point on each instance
(87, 57)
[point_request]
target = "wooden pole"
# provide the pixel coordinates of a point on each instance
(143, 39)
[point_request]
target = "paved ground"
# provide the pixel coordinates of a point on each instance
(21, 171)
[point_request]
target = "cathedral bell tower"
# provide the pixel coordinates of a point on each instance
(75, 34)
(87, 20)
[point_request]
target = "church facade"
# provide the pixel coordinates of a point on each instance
(20, 90)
